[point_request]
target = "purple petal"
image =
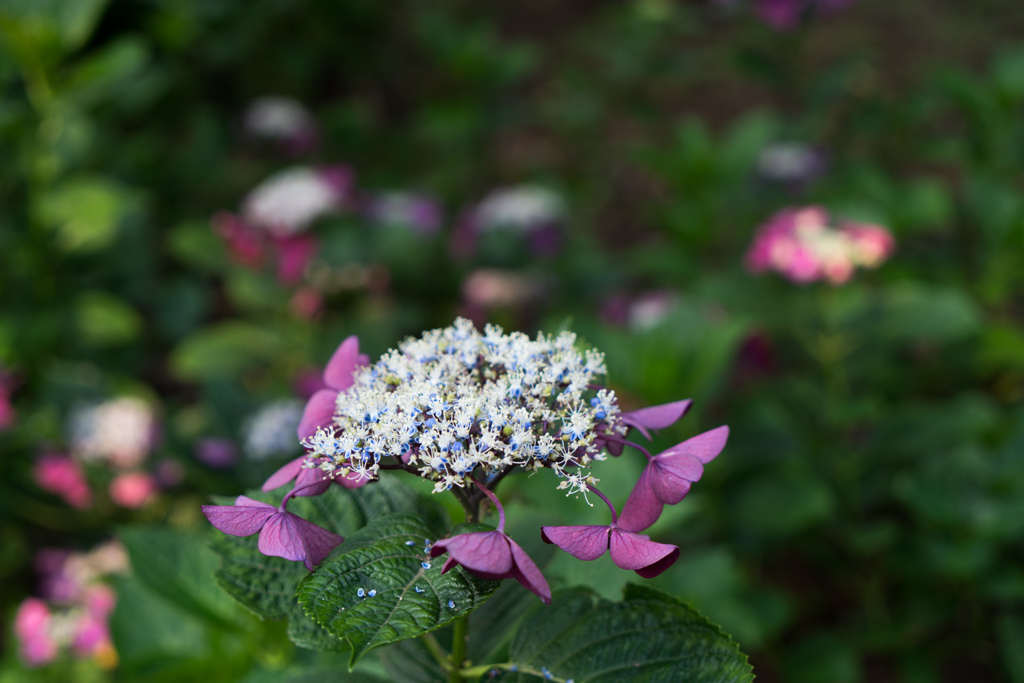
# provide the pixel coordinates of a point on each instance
(636, 552)
(338, 373)
(643, 508)
(311, 481)
(582, 542)
(244, 518)
(484, 553)
(656, 417)
(319, 412)
(671, 476)
(528, 574)
(293, 538)
(705, 447)
(285, 474)
(448, 564)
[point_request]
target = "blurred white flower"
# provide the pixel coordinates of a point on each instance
(121, 432)
(288, 202)
(272, 431)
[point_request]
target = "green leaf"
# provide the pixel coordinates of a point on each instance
(148, 632)
(648, 636)
(40, 27)
(105, 320)
(378, 558)
(178, 566)
(224, 350)
(85, 212)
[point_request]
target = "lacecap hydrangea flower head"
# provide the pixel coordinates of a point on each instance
(464, 409)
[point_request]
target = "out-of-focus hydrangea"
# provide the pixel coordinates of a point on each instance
(62, 475)
(802, 246)
(72, 612)
(289, 201)
(408, 209)
(536, 213)
(785, 15)
(120, 432)
(282, 120)
(132, 490)
(277, 213)
(639, 312)
(790, 163)
(270, 433)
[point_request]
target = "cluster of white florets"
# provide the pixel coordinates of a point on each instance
(456, 403)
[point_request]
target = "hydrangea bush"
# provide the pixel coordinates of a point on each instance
(463, 410)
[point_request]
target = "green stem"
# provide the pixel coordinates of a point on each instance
(458, 649)
(436, 650)
(478, 671)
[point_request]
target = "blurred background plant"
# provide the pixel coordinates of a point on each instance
(163, 310)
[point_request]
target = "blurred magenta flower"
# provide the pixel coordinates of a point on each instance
(628, 550)
(7, 414)
(801, 245)
(63, 476)
(133, 489)
(283, 121)
(493, 555)
(668, 476)
(282, 534)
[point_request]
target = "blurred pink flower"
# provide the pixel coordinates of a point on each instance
(306, 302)
(133, 490)
(802, 246)
(493, 288)
(32, 628)
(61, 475)
(872, 244)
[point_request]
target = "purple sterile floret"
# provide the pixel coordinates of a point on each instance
(244, 518)
(656, 417)
(668, 476)
(282, 533)
(492, 555)
(628, 550)
(338, 376)
(289, 536)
